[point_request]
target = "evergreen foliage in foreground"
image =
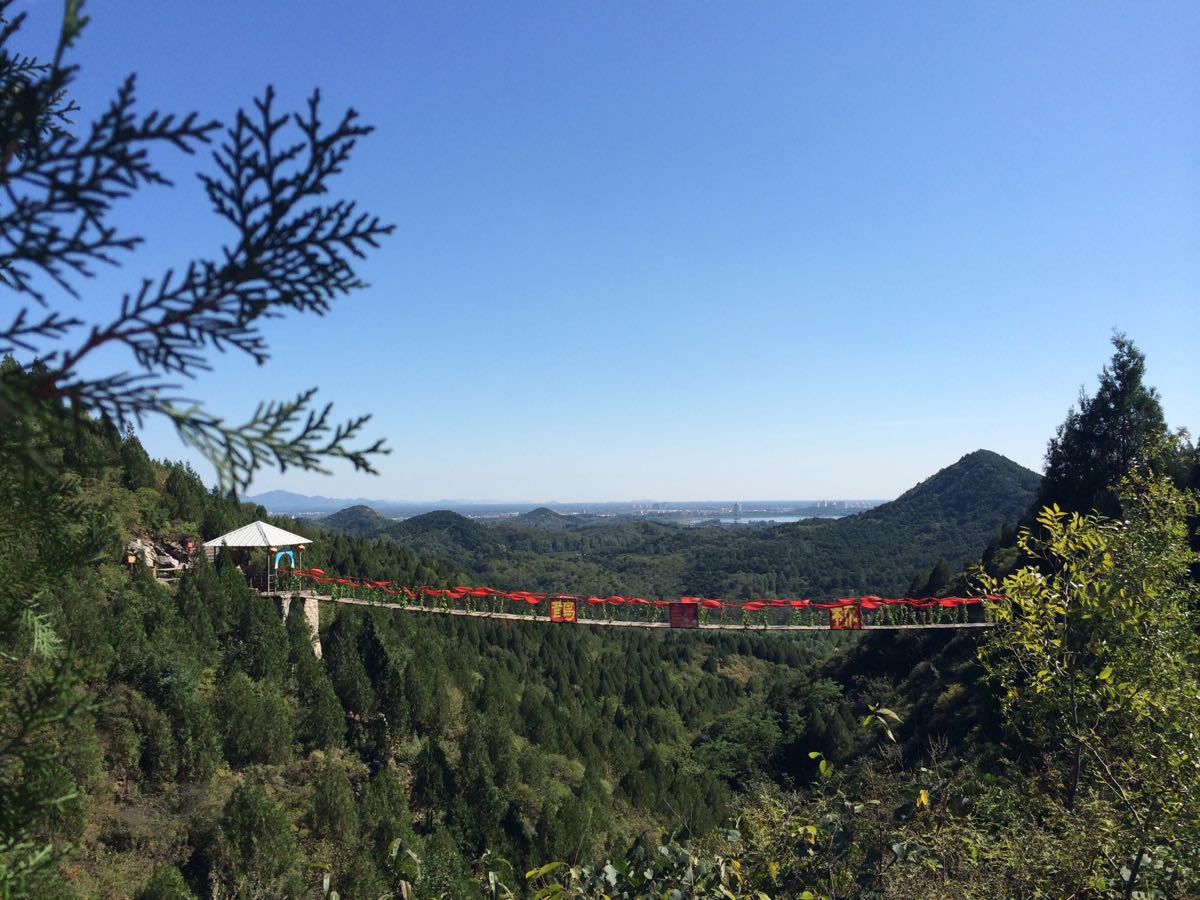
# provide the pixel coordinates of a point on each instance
(294, 251)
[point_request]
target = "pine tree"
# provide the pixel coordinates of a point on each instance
(346, 669)
(202, 577)
(333, 814)
(362, 878)
(940, 578)
(422, 703)
(1103, 437)
(137, 471)
(230, 596)
(255, 721)
(444, 873)
(433, 784)
(262, 641)
(322, 721)
(393, 700)
(478, 786)
(184, 493)
(255, 851)
(384, 813)
(194, 613)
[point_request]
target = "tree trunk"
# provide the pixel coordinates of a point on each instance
(1076, 769)
(1133, 872)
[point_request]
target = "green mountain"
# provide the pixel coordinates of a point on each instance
(444, 533)
(226, 753)
(982, 487)
(543, 518)
(947, 519)
(360, 521)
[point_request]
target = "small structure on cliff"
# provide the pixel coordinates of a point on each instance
(281, 547)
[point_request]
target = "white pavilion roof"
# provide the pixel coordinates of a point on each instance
(258, 534)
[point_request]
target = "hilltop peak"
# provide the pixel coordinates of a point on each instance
(543, 517)
(359, 520)
(982, 485)
(361, 509)
(985, 455)
(437, 518)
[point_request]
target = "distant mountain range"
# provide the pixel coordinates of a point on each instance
(287, 503)
(950, 516)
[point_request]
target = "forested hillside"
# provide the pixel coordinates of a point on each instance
(220, 750)
(545, 519)
(212, 750)
(946, 519)
(359, 521)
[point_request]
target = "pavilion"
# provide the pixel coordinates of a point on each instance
(274, 540)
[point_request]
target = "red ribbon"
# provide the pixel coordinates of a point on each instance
(868, 602)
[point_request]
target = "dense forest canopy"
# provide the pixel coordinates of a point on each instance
(530, 742)
(211, 748)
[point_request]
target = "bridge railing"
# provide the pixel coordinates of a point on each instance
(843, 613)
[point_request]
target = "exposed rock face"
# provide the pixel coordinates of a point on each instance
(160, 554)
(145, 550)
(313, 617)
(173, 552)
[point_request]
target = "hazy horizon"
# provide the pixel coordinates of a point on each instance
(525, 501)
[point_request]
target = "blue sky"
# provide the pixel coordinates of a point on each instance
(703, 250)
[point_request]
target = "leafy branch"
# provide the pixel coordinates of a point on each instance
(293, 249)
(286, 434)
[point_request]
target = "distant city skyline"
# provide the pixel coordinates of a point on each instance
(688, 512)
(633, 502)
(814, 250)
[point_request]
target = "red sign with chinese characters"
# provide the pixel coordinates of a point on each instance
(845, 618)
(685, 615)
(563, 609)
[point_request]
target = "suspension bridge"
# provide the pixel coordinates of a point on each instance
(313, 586)
(867, 613)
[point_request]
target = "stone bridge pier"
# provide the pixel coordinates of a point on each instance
(312, 617)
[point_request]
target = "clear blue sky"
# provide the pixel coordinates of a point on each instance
(699, 250)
